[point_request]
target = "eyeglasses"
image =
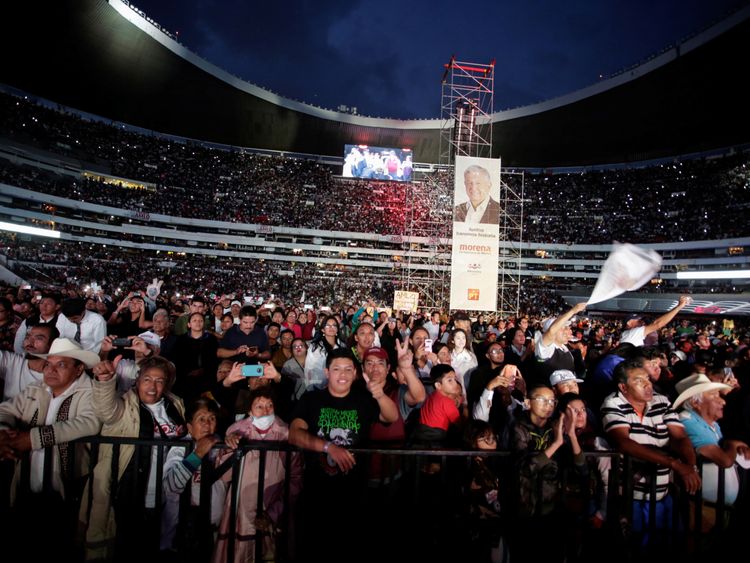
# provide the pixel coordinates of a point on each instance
(488, 439)
(545, 400)
(331, 326)
(299, 347)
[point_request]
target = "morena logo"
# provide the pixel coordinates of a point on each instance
(476, 248)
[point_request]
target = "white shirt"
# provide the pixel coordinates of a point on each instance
(159, 410)
(15, 371)
(93, 330)
(21, 332)
(475, 215)
(36, 478)
(634, 336)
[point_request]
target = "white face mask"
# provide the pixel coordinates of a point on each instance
(263, 422)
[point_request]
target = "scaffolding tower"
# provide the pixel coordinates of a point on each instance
(465, 110)
(467, 104)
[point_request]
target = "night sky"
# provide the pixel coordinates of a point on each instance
(386, 57)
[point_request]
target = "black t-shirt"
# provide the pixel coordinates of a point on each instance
(345, 421)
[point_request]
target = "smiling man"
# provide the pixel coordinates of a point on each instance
(327, 422)
(480, 208)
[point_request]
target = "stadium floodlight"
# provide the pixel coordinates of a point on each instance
(713, 275)
(15, 228)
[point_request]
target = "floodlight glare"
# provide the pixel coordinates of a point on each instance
(15, 228)
(713, 275)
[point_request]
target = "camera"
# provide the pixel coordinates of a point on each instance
(255, 370)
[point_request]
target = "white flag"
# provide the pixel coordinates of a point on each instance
(627, 268)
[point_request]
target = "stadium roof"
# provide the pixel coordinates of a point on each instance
(104, 58)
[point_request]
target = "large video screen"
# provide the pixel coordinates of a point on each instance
(377, 163)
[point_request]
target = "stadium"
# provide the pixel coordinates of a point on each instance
(127, 158)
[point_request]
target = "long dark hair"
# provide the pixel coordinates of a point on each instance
(320, 340)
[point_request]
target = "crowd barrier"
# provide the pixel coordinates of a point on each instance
(398, 485)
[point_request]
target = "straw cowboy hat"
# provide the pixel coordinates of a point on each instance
(695, 385)
(68, 348)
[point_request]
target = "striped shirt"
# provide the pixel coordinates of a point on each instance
(650, 431)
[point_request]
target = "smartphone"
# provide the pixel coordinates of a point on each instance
(252, 371)
(269, 306)
(308, 307)
(122, 342)
(428, 345)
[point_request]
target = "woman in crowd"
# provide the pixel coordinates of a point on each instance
(148, 411)
(462, 358)
(325, 340)
(183, 530)
(261, 424)
(214, 320)
(362, 340)
(484, 496)
(294, 367)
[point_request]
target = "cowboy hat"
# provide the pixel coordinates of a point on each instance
(68, 348)
(695, 385)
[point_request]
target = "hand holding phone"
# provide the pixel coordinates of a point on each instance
(255, 370)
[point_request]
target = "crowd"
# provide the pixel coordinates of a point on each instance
(680, 201)
(206, 373)
(211, 357)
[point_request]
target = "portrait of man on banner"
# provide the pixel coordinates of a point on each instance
(480, 208)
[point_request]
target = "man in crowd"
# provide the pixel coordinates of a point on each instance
(20, 370)
(640, 423)
(49, 312)
(81, 325)
(703, 406)
(197, 305)
(551, 347)
(636, 329)
(246, 342)
(327, 422)
(50, 414)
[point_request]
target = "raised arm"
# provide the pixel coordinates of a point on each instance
(669, 315)
(560, 323)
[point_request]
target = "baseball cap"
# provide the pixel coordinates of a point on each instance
(560, 375)
(377, 352)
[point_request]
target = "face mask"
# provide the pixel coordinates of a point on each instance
(263, 422)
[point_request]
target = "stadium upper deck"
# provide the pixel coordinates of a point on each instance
(104, 58)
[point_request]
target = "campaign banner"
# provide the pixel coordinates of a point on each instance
(476, 214)
(406, 301)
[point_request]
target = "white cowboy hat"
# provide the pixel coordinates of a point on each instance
(695, 385)
(68, 348)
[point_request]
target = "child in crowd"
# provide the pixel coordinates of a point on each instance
(484, 489)
(442, 409)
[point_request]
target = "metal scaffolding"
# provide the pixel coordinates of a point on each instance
(428, 232)
(466, 108)
(511, 240)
